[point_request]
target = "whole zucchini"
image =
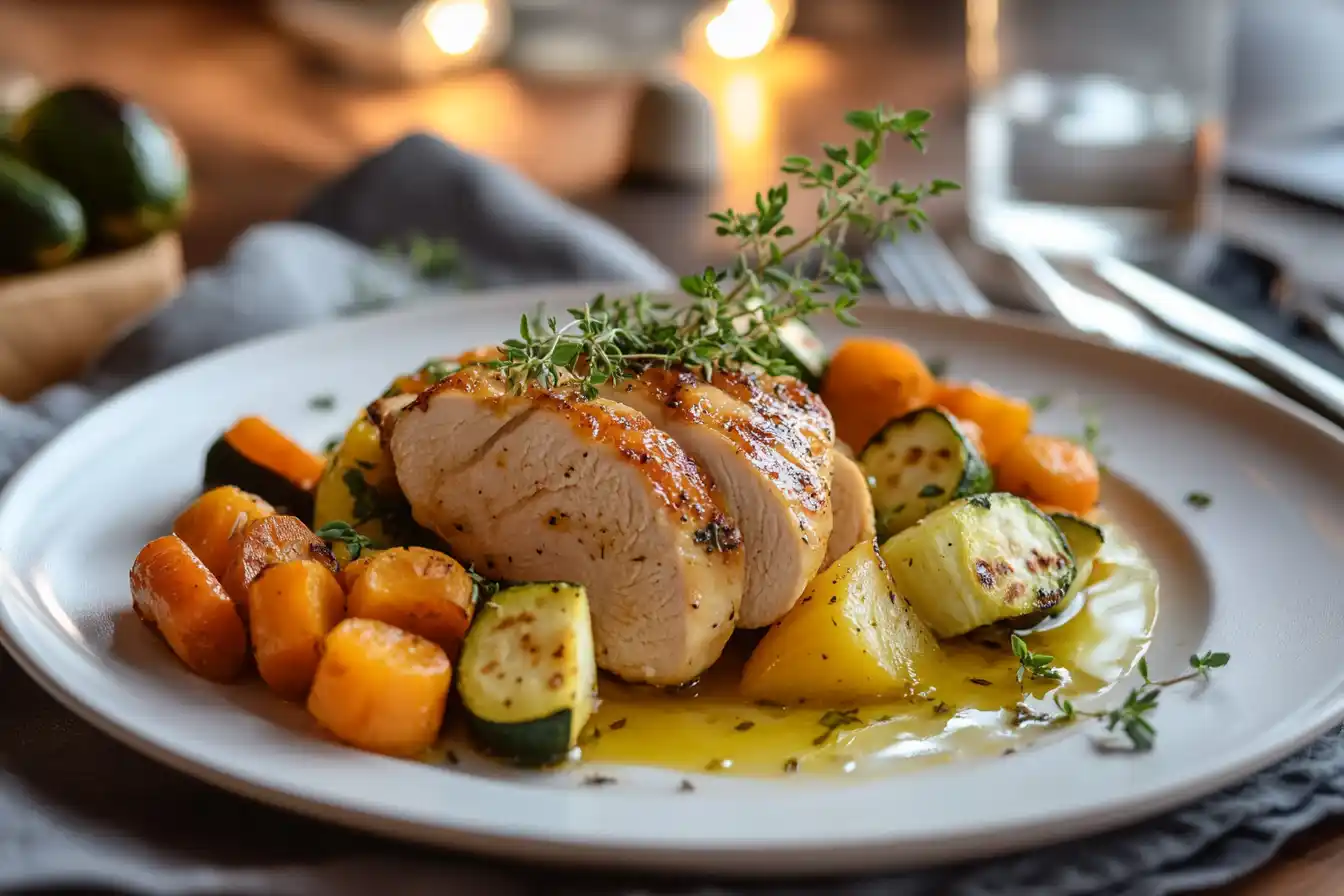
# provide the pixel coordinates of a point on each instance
(126, 169)
(41, 224)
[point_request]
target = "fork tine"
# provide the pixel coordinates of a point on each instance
(904, 275)
(960, 290)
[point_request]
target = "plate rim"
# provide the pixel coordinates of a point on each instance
(727, 858)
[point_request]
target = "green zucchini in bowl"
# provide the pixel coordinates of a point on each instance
(528, 673)
(918, 463)
(980, 560)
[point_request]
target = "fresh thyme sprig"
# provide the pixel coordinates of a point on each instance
(1033, 665)
(1131, 718)
(735, 316)
(339, 531)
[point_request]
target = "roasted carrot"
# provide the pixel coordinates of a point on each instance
(1053, 472)
(351, 571)
(871, 381)
(266, 542)
(255, 439)
(291, 607)
(213, 519)
(174, 594)
(381, 688)
(425, 592)
(1003, 420)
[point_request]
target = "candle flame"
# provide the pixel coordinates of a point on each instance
(457, 26)
(743, 29)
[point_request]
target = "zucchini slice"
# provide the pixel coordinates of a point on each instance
(804, 351)
(528, 676)
(918, 463)
(980, 560)
(1085, 540)
(256, 457)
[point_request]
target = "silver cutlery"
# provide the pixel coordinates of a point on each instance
(1228, 337)
(1315, 308)
(1090, 313)
(919, 270)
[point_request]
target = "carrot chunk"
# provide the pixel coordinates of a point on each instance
(213, 519)
(1003, 420)
(425, 592)
(174, 594)
(380, 688)
(1053, 472)
(291, 607)
(872, 381)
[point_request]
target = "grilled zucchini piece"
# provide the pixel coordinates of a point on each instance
(918, 463)
(1085, 540)
(980, 560)
(528, 675)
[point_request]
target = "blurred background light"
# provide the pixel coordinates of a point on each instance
(740, 29)
(456, 26)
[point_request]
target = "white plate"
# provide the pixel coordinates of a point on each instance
(1255, 574)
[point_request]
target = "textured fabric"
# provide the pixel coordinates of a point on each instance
(78, 809)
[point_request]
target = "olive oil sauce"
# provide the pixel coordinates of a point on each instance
(968, 704)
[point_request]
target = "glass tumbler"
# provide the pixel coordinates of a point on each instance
(1096, 126)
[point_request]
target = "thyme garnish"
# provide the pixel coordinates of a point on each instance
(735, 315)
(339, 531)
(1131, 718)
(1033, 665)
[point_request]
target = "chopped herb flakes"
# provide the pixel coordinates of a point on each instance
(790, 765)
(685, 787)
(1041, 402)
(833, 719)
(598, 780)
(1198, 500)
(322, 402)
(744, 726)
(932, 491)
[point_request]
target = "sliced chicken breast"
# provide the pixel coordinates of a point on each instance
(551, 486)
(767, 445)
(853, 503)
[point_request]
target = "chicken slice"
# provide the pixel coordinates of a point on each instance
(853, 504)
(551, 486)
(768, 448)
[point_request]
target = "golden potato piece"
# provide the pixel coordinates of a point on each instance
(851, 637)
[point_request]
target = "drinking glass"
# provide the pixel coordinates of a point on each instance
(1096, 126)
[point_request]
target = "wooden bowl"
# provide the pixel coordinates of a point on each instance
(55, 323)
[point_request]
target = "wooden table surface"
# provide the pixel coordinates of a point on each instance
(264, 129)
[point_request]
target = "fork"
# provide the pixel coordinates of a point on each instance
(919, 270)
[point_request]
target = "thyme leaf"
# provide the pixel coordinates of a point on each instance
(736, 315)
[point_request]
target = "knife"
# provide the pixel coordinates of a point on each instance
(1223, 334)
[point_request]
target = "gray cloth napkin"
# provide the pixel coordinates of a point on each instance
(77, 809)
